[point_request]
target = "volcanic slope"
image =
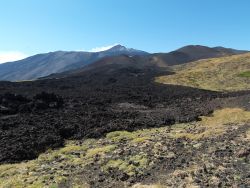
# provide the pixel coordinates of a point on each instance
(218, 74)
(184, 55)
(191, 53)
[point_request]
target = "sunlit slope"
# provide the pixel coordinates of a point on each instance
(220, 74)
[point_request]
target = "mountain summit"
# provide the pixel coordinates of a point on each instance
(118, 48)
(126, 51)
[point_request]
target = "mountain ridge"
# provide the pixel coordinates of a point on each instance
(162, 61)
(43, 65)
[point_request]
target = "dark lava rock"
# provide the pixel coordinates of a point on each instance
(87, 106)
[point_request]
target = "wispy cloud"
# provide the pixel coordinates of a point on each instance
(103, 48)
(8, 56)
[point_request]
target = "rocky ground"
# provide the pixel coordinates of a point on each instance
(169, 144)
(213, 152)
(89, 106)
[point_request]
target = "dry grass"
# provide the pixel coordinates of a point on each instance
(218, 74)
(100, 151)
(131, 165)
(33, 174)
(216, 125)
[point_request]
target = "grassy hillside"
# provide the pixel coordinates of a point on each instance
(219, 74)
(194, 154)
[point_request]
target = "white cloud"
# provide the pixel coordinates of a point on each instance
(103, 48)
(8, 56)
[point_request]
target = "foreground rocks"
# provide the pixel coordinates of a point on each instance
(193, 154)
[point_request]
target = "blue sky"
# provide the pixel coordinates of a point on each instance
(28, 27)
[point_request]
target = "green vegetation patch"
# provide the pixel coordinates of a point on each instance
(131, 165)
(133, 137)
(100, 150)
(118, 136)
(245, 74)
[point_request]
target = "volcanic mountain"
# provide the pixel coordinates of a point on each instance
(163, 61)
(42, 65)
(191, 53)
(55, 62)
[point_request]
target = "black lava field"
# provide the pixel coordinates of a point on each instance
(36, 116)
